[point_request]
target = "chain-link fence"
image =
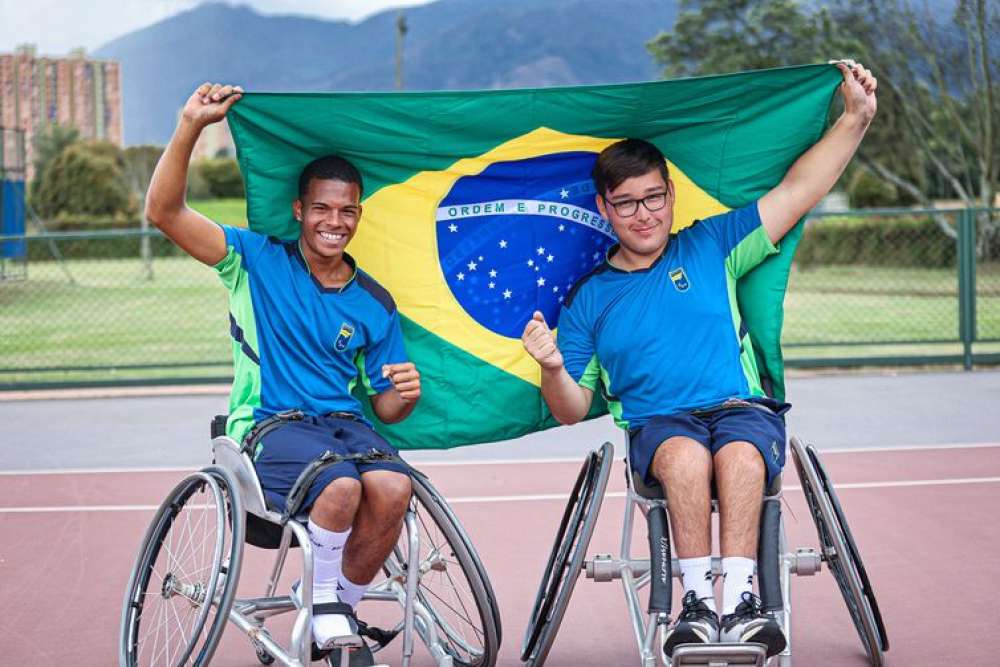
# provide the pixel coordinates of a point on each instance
(112, 307)
(894, 287)
(884, 287)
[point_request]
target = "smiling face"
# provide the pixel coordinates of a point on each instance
(329, 213)
(644, 234)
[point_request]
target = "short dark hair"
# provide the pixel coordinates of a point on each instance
(626, 159)
(332, 168)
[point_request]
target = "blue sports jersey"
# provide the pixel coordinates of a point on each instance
(669, 338)
(297, 344)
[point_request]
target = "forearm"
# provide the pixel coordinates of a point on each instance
(167, 189)
(568, 401)
(390, 407)
(811, 177)
(815, 173)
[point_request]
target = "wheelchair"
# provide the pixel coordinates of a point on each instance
(182, 589)
(775, 565)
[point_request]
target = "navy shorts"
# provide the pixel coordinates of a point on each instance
(765, 429)
(286, 450)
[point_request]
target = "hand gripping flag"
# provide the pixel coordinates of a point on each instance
(479, 210)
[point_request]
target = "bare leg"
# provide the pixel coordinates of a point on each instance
(684, 468)
(337, 505)
(385, 497)
(739, 476)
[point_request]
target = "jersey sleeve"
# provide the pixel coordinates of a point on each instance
(242, 247)
(387, 349)
(741, 238)
(575, 339)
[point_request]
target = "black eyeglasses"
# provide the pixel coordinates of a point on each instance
(629, 207)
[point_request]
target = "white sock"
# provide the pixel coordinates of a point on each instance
(350, 592)
(696, 575)
(328, 553)
(737, 573)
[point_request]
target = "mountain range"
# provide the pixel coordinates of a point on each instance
(449, 44)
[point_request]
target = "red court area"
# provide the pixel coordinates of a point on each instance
(925, 520)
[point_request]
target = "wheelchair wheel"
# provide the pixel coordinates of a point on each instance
(840, 551)
(184, 579)
(567, 555)
(453, 585)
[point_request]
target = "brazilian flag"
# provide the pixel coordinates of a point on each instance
(479, 210)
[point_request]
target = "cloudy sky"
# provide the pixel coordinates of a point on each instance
(59, 25)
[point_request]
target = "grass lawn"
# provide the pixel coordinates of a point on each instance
(232, 211)
(114, 317)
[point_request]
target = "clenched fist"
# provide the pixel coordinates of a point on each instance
(405, 379)
(540, 343)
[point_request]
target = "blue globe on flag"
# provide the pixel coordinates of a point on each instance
(514, 238)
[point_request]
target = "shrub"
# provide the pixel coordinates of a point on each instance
(85, 180)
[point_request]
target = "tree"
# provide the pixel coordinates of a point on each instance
(718, 36)
(85, 180)
(937, 133)
(941, 80)
(221, 176)
(48, 144)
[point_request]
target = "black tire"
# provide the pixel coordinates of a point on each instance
(453, 585)
(840, 552)
(173, 576)
(567, 555)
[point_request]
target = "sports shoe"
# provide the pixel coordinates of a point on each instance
(697, 624)
(337, 621)
(750, 623)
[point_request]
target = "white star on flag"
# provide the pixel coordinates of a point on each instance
(555, 288)
(562, 228)
(472, 266)
(453, 227)
(503, 244)
(461, 276)
(550, 258)
(493, 273)
(541, 250)
(506, 293)
(564, 193)
(541, 282)
(531, 262)
(492, 284)
(480, 258)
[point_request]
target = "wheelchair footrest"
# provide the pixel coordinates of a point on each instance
(718, 655)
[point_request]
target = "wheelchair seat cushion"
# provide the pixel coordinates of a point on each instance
(761, 425)
(287, 449)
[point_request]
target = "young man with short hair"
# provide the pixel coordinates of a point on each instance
(307, 326)
(657, 323)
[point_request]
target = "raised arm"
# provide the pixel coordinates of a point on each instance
(166, 203)
(816, 171)
(568, 401)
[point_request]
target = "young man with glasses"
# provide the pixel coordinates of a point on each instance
(657, 323)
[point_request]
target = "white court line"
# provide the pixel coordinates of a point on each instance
(495, 462)
(463, 500)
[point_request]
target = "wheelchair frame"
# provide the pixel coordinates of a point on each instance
(775, 566)
(232, 485)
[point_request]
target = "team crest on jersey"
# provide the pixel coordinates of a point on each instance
(344, 337)
(680, 279)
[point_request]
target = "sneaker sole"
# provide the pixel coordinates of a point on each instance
(685, 636)
(772, 638)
